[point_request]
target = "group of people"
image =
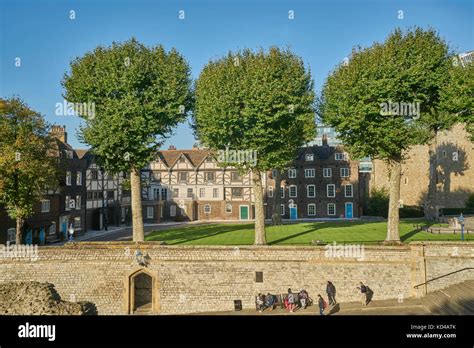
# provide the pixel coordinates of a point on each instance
(302, 299)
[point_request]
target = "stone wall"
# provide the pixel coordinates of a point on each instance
(209, 278)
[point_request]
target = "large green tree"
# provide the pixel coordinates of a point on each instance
(256, 101)
(140, 94)
(360, 99)
(28, 160)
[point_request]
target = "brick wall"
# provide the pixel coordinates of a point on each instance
(199, 278)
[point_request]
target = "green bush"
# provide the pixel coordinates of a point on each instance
(377, 203)
(470, 201)
(411, 212)
(457, 211)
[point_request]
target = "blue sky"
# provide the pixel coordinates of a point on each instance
(43, 36)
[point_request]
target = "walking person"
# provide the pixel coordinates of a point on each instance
(303, 297)
(363, 293)
(260, 303)
(331, 292)
(291, 301)
(321, 304)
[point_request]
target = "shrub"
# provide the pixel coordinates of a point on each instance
(377, 203)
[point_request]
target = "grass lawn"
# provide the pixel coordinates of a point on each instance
(300, 233)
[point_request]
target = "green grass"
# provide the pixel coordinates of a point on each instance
(294, 234)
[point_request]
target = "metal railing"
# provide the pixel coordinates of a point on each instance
(442, 276)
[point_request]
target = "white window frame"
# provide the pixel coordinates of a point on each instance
(176, 192)
(68, 198)
(345, 190)
(309, 157)
(331, 205)
(207, 208)
(45, 205)
(341, 156)
(343, 171)
(150, 213)
(311, 171)
(292, 173)
(314, 191)
(228, 205)
(78, 202)
(312, 205)
(270, 191)
(172, 210)
(289, 191)
(215, 193)
(282, 209)
(79, 178)
(189, 192)
(11, 235)
(326, 171)
(202, 192)
(333, 190)
(68, 178)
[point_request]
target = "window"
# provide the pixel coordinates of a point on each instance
(202, 192)
(52, 229)
(228, 208)
(156, 176)
(209, 176)
(331, 190)
(78, 202)
(282, 192)
(149, 212)
(69, 154)
(89, 196)
(292, 173)
(209, 159)
(175, 192)
(45, 205)
(274, 173)
(237, 192)
(311, 209)
(309, 173)
(215, 193)
(173, 210)
(182, 159)
(311, 191)
(282, 209)
(183, 176)
(331, 209)
(94, 175)
(164, 194)
(292, 192)
(344, 172)
(327, 172)
(68, 203)
(406, 180)
(77, 223)
(339, 156)
(156, 194)
(78, 178)
(207, 209)
(348, 190)
(235, 176)
(270, 191)
(190, 193)
(309, 157)
(11, 235)
(68, 178)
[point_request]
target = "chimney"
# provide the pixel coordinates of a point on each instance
(59, 132)
(325, 139)
(172, 147)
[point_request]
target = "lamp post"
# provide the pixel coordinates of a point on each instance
(461, 220)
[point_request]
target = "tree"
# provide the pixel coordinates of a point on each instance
(386, 100)
(139, 94)
(259, 102)
(28, 165)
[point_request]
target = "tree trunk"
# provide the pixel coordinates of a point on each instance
(430, 203)
(393, 235)
(19, 230)
(260, 238)
(276, 216)
(137, 220)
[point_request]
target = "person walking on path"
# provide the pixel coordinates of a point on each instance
(321, 304)
(363, 293)
(291, 301)
(331, 292)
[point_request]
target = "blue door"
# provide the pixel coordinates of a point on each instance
(349, 210)
(29, 237)
(42, 236)
(293, 213)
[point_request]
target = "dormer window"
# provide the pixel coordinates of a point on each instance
(181, 159)
(309, 157)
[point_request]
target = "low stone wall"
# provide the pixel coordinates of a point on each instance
(189, 279)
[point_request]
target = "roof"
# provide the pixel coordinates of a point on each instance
(195, 156)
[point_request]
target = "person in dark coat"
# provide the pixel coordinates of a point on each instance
(331, 292)
(321, 304)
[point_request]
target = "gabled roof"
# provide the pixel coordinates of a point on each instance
(194, 156)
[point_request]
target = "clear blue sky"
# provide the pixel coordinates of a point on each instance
(322, 33)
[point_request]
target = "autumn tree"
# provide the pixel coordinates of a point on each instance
(140, 94)
(260, 102)
(28, 164)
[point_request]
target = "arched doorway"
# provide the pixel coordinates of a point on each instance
(142, 292)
